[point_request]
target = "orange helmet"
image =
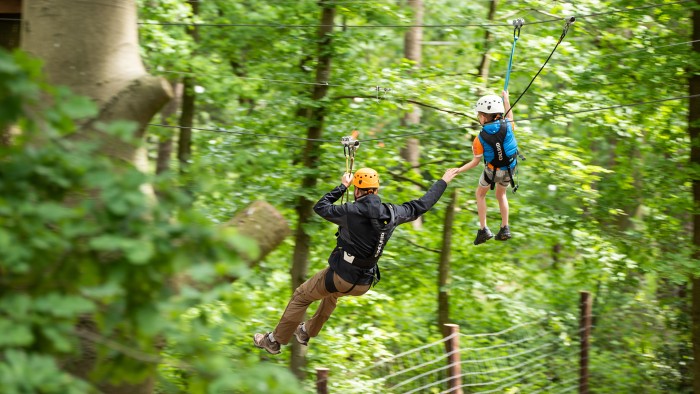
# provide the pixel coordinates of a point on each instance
(366, 178)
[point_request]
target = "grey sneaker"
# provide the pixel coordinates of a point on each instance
(483, 235)
(503, 234)
(263, 342)
(301, 335)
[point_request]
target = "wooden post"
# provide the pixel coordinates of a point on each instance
(321, 380)
(455, 368)
(584, 332)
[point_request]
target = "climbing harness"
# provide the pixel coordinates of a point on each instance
(569, 22)
(365, 269)
(350, 145)
(518, 24)
(497, 142)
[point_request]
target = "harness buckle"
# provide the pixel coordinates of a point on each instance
(348, 257)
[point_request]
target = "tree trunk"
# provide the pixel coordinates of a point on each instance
(165, 145)
(184, 145)
(694, 130)
(107, 68)
(262, 223)
(312, 152)
(413, 40)
(444, 267)
(10, 14)
(485, 63)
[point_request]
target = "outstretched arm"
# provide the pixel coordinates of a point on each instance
(475, 162)
(506, 106)
(410, 211)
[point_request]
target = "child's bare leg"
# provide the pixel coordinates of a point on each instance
(481, 204)
(502, 203)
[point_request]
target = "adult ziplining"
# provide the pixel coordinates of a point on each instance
(366, 225)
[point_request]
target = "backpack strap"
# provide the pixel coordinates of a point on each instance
(496, 141)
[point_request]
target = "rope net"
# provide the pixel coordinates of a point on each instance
(534, 357)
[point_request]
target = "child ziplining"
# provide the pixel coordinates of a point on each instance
(496, 143)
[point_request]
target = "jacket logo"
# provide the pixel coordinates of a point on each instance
(380, 245)
(499, 149)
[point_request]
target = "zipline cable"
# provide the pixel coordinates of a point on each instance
(394, 26)
(277, 80)
(568, 23)
(285, 26)
(396, 136)
(646, 49)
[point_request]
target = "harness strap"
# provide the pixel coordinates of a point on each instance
(492, 180)
(328, 281)
(512, 182)
(330, 284)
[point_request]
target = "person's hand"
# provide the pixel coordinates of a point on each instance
(505, 95)
(346, 179)
(450, 174)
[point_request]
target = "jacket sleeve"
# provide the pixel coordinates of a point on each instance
(410, 211)
(333, 213)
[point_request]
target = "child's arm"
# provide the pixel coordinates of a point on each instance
(506, 105)
(475, 162)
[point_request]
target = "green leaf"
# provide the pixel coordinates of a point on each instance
(15, 334)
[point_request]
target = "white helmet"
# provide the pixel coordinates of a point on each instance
(490, 104)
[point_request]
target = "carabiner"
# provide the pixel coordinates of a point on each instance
(517, 23)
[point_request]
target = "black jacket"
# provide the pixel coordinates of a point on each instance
(360, 227)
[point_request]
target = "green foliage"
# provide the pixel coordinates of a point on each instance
(604, 194)
(82, 239)
(604, 202)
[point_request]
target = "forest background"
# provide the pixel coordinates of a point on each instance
(262, 93)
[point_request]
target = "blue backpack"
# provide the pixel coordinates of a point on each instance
(500, 158)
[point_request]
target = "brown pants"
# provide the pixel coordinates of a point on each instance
(308, 292)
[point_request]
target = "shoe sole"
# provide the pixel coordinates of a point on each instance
(503, 238)
(479, 243)
(263, 347)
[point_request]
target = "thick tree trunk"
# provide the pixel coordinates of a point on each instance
(413, 50)
(694, 130)
(106, 68)
(262, 223)
(444, 267)
(312, 152)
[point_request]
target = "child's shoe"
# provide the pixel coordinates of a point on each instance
(503, 234)
(483, 235)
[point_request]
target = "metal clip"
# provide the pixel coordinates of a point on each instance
(517, 24)
(350, 142)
